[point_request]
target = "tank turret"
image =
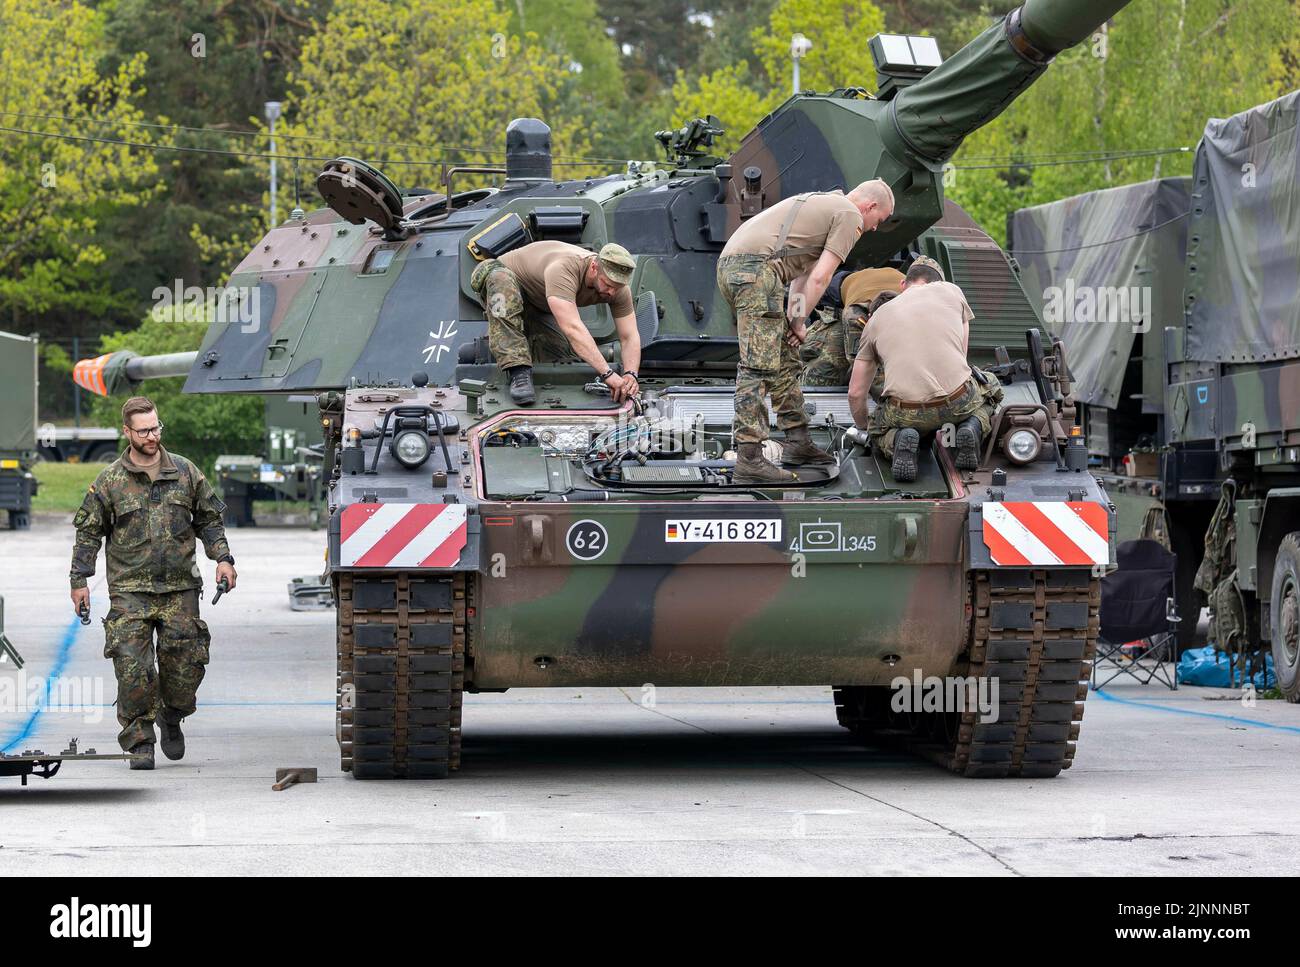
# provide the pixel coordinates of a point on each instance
(376, 285)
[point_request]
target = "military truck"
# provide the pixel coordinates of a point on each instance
(1196, 410)
(18, 356)
(288, 470)
(477, 546)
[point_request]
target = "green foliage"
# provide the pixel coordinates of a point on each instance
(1151, 80)
(839, 31)
(740, 95)
(458, 85)
(198, 427)
(63, 486)
(208, 64)
(55, 193)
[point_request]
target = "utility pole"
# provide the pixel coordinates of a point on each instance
(272, 113)
(799, 47)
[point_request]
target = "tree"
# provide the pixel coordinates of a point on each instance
(740, 96)
(411, 73)
(209, 65)
(56, 193)
(1148, 81)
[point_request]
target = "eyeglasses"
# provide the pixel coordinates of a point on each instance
(149, 431)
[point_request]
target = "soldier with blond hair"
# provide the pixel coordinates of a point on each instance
(797, 244)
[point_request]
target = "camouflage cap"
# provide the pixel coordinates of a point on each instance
(928, 262)
(617, 263)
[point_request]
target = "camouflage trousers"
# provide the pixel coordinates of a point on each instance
(150, 683)
(978, 401)
(768, 364)
(516, 336)
(825, 357)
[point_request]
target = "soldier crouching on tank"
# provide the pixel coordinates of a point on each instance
(554, 279)
(799, 242)
(833, 336)
(921, 339)
(150, 505)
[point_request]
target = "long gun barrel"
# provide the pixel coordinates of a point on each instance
(978, 82)
(114, 372)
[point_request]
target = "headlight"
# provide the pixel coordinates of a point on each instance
(1022, 446)
(411, 448)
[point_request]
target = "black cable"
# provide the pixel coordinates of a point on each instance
(1077, 154)
(1011, 163)
(574, 159)
(193, 150)
(1109, 241)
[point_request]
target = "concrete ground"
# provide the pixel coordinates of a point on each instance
(589, 781)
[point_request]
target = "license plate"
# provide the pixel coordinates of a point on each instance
(722, 531)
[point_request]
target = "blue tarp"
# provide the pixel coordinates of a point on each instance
(1205, 666)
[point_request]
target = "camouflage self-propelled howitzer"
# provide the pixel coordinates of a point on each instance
(478, 546)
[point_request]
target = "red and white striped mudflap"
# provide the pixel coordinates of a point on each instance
(402, 535)
(1047, 532)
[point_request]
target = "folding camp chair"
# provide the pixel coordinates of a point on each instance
(1139, 619)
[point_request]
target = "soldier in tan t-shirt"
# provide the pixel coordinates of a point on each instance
(921, 338)
(798, 242)
(554, 279)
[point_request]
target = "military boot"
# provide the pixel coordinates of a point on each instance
(753, 468)
(799, 449)
(173, 739)
(968, 444)
(145, 749)
(906, 443)
(521, 385)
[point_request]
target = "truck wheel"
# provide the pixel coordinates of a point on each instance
(104, 453)
(19, 520)
(1285, 611)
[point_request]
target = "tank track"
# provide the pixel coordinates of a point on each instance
(1035, 631)
(401, 673)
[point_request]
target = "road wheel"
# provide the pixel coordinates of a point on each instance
(1285, 611)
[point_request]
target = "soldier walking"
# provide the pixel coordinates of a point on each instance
(798, 242)
(150, 505)
(921, 339)
(551, 280)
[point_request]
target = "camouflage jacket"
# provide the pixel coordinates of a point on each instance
(150, 526)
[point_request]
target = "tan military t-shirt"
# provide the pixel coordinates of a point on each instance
(861, 287)
(920, 339)
(557, 269)
(827, 221)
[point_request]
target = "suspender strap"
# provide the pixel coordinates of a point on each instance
(781, 251)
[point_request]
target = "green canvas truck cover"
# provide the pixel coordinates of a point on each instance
(17, 392)
(1078, 254)
(1243, 287)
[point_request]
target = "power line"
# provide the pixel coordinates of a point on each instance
(235, 132)
(1013, 163)
(1017, 252)
(225, 152)
(1076, 154)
